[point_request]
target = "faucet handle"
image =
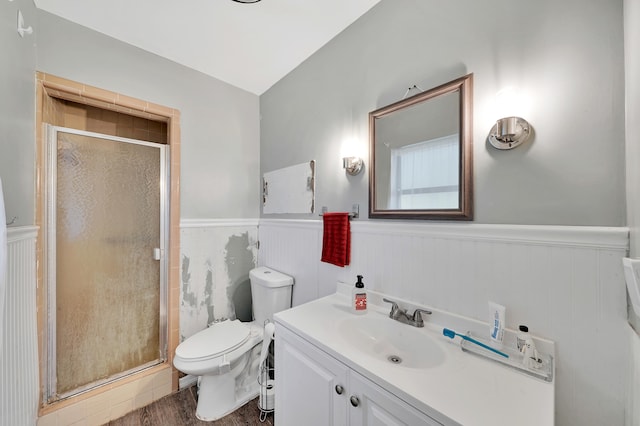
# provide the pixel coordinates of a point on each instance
(417, 316)
(394, 306)
(393, 303)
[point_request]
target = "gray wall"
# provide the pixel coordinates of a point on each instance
(219, 122)
(567, 55)
(17, 112)
(632, 102)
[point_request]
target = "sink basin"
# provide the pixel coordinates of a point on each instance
(390, 341)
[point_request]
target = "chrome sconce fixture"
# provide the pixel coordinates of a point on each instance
(352, 165)
(509, 132)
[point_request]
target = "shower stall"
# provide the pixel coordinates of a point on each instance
(106, 269)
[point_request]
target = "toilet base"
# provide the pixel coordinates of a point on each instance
(219, 395)
(216, 400)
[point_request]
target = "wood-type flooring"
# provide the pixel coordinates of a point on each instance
(179, 409)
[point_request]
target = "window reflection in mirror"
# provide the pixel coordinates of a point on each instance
(421, 155)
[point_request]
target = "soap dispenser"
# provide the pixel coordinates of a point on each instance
(359, 297)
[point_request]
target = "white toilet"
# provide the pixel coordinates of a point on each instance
(225, 355)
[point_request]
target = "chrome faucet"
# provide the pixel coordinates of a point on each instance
(404, 317)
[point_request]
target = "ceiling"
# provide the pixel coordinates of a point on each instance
(250, 46)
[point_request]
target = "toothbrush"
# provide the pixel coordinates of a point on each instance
(451, 334)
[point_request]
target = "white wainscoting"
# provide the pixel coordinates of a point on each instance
(565, 283)
(19, 373)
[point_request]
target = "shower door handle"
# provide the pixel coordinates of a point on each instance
(156, 253)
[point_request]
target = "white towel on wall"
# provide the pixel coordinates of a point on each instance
(3, 263)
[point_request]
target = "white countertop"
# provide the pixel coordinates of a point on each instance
(464, 389)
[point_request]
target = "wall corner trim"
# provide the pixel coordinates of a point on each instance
(573, 236)
(217, 223)
(18, 233)
(613, 238)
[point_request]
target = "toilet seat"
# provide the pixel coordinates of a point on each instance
(220, 338)
(217, 349)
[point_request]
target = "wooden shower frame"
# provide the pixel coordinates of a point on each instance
(50, 87)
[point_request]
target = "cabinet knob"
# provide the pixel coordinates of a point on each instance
(354, 400)
(339, 389)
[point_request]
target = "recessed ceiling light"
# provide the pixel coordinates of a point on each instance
(246, 1)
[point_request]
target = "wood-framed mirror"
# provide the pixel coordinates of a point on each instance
(421, 155)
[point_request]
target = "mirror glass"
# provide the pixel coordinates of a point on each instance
(421, 155)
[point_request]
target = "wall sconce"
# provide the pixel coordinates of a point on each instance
(352, 165)
(509, 132)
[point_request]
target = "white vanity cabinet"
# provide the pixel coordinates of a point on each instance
(315, 389)
(378, 407)
(311, 387)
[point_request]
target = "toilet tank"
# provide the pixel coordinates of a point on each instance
(270, 293)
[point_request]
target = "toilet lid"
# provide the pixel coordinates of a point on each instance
(221, 337)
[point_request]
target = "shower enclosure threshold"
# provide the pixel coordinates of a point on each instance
(109, 380)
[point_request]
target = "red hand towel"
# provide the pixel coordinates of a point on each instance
(336, 239)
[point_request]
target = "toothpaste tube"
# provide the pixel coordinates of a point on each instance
(496, 330)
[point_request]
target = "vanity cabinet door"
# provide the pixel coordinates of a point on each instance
(311, 387)
(374, 406)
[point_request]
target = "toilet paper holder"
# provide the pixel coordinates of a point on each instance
(266, 400)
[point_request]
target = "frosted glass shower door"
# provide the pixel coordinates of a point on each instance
(106, 279)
